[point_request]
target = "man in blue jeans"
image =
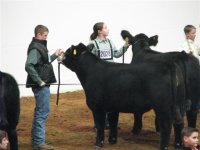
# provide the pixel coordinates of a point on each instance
(40, 76)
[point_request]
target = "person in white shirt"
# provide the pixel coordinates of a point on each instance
(190, 45)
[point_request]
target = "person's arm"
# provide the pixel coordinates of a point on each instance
(55, 55)
(118, 52)
(33, 59)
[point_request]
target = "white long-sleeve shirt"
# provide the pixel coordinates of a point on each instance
(191, 46)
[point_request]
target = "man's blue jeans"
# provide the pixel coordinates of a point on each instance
(42, 97)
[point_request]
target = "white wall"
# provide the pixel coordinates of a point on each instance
(198, 16)
(71, 22)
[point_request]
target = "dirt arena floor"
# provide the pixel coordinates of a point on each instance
(70, 126)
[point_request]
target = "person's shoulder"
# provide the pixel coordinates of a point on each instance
(184, 45)
(33, 50)
(197, 43)
(91, 42)
(34, 53)
(185, 42)
(110, 41)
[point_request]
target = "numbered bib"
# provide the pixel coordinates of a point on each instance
(105, 54)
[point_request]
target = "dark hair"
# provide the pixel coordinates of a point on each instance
(40, 29)
(188, 131)
(188, 28)
(98, 26)
(3, 134)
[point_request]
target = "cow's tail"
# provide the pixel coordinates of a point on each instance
(3, 118)
(178, 92)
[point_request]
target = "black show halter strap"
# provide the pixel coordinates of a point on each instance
(58, 89)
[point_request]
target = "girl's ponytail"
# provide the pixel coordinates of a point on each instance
(98, 26)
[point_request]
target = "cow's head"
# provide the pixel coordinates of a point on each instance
(72, 55)
(141, 39)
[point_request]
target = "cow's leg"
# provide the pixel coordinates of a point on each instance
(177, 133)
(156, 124)
(99, 119)
(12, 135)
(113, 121)
(191, 118)
(11, 130)
(137, 126)
(165, 124)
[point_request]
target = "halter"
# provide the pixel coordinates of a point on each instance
(59, 59)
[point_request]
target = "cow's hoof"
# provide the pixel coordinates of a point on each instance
(99, 144)
(112, 140)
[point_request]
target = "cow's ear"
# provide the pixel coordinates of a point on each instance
(79, 49)
(153, 41)
(82, 46)
(125, 33)
(126, 36)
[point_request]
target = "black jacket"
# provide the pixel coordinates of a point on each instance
(43, 67)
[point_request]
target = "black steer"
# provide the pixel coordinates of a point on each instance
(189, 67)
(114, 88)
(9, 107)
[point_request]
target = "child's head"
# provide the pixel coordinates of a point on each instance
(190, 32)
(99, 29)
(41, 32)
(3, 140)
(190, 137)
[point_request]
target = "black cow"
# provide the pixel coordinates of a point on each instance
(114, 88)
(189, 66)
(9, 107)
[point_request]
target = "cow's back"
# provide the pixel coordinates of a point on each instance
(129, 88)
